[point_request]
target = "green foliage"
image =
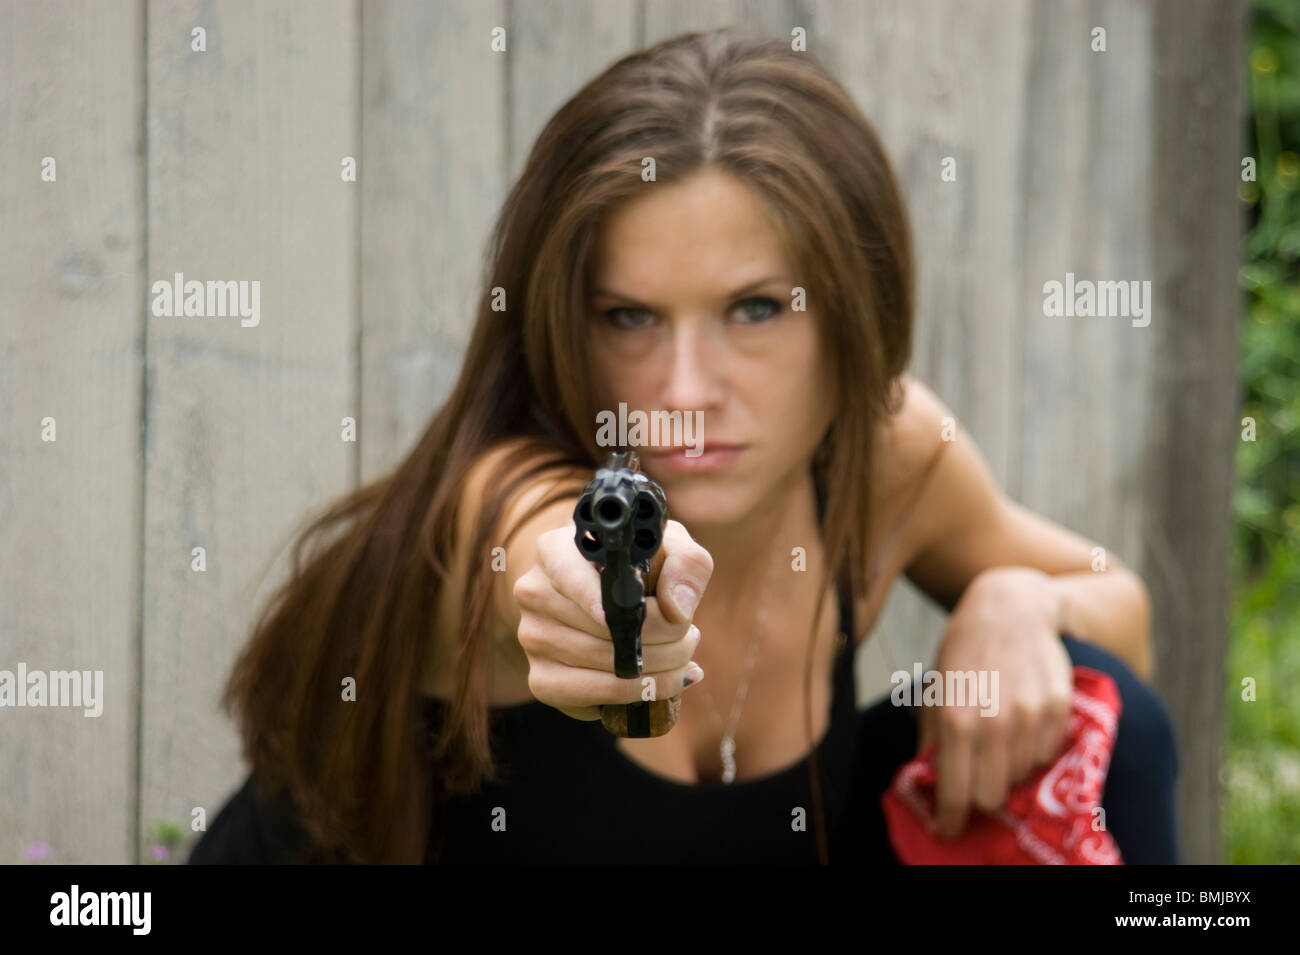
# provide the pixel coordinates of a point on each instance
(162, 841)
(1261, 770)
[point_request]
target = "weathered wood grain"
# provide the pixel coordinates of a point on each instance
(71, 332)
(242, 425)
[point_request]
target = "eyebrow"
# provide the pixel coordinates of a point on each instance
(610, 293)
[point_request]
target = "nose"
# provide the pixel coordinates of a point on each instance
(695, 369)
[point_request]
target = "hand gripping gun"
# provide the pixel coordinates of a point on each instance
(620, 520)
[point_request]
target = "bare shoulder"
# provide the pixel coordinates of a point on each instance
(952, 501)
(907, 443)
(910, 470)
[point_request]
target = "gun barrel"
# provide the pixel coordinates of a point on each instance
(613, 505)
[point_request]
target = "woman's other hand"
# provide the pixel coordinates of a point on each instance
(1006, 623)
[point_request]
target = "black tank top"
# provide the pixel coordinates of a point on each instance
(572, 796)
(568, 794)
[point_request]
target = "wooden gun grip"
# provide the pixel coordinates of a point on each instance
(663, 717)
(662, 713)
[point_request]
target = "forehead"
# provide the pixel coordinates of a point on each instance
(711, 226)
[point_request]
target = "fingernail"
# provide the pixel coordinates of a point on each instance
(693, 675)
(686, 598)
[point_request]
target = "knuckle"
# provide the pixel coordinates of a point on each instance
(529, 633)
(675, 531)
(1024, 713)
(997, 731)
(957, 722)
(704, 560)
(548, 540)
(527, 588)
(683, 548)
(697, 562)
(554, 548)
(1058, 708)
(538, 685)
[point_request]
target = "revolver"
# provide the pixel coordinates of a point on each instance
(620, 520)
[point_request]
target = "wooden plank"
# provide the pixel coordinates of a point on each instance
(433, 128)
(666, 18)
(242, 424)
(1197, 123)
(561, 45)
(940, 80)
(70, 327)
(1083, 417)
(464, 124)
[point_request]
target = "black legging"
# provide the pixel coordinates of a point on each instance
(1139, 792)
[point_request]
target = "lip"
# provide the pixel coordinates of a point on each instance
(714, 457)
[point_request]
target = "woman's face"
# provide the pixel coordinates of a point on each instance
(691, 312)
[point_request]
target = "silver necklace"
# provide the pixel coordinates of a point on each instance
(727, 748)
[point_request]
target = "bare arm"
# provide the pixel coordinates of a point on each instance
(509, 682)
(967, 527)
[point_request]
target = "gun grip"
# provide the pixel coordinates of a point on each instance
(641, 720)
(651, 717)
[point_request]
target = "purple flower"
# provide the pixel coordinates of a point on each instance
(37, 851)
(159, 851)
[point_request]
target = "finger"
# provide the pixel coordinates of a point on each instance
(1028, 718)
(686, 572)
(657, 628)
(564, 687)
(586, 713)
(548, 639)
(1022, 760)
(953, 787)
(925, 731)
(1055, 728)
(992, 765)
(572, 575)
(1051, 734)
(535, 594)
(661, 657)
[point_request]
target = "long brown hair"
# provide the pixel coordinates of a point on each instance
(360, 600)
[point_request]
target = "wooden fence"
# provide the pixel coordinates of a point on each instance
(226, 164)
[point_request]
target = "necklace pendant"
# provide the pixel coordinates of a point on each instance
(728, 759)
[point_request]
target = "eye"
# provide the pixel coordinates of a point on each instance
(614, 317)
(753, 310)
(769, 308)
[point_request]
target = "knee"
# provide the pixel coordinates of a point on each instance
(1146, 731)
(1145, 740)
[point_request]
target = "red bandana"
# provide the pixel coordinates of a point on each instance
(1047, 819)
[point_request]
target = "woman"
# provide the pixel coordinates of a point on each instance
(710, 227)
